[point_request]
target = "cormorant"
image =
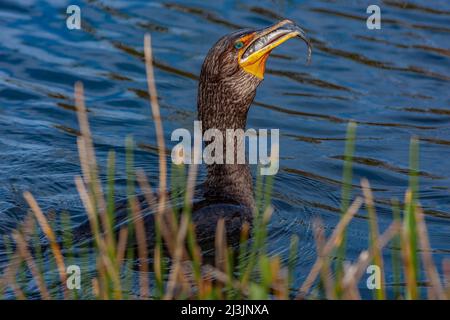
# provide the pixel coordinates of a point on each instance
(231, 72)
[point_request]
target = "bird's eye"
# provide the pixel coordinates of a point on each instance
(238, 44)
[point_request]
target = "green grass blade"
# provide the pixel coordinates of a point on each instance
(292, 261)
(410, 214)
(396, 252)
(110, 192)
(347, 177)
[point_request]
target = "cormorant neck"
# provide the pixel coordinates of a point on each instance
(219, 109)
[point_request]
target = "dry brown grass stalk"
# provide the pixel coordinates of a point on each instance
(325, 271)
(25, 254)
(374, 233)
(51, 237)
(330, 245)
(436, 288)
(158, 123)
(104, 256)
(352, 278)
(177, 258)
(9, 276)
(142, 248)
(90, 170)
(121, 246)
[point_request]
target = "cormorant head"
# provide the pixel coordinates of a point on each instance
(248, 50)
(235, 65)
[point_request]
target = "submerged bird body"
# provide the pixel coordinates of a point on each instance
(232, 71)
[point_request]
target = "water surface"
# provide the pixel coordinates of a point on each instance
(393, 82)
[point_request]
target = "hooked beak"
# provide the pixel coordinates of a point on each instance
(253, 56)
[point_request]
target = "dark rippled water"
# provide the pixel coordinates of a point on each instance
(393, 82)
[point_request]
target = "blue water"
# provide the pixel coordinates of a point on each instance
(393, 82)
